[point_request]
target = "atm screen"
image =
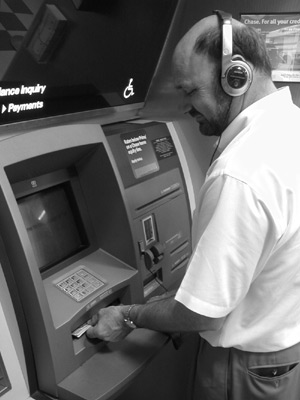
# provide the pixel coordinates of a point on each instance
(53, 224)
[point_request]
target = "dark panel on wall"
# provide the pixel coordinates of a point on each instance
(60, 57)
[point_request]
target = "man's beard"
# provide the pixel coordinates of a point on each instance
(219, 122)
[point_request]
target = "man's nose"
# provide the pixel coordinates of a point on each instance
(191, 111)
(185, 107)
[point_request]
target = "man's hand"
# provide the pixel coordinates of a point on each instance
(108, 324)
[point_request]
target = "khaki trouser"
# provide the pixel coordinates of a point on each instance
(231, 374)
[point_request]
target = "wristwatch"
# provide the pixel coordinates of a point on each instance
(128, 321)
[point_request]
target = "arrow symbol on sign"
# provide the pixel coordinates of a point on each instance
(3, 108)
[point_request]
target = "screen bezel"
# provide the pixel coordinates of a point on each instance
(69, 178)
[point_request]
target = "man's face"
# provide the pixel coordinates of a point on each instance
(203, 97)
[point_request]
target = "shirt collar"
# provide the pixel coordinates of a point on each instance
(268, 103)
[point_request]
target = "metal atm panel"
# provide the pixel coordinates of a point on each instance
(156, 196)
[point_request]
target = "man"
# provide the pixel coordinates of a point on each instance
(241, 291)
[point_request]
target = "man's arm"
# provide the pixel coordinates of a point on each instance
(165, 315)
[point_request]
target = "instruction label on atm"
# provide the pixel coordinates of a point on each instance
(140, 153)
(164, 147)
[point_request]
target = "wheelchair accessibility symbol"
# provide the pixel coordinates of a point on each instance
(128, 92)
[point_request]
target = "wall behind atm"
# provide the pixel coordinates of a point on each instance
(164, 103)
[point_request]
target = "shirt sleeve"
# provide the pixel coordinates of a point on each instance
(235, 235)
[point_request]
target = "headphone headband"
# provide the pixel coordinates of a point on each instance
(226, 19)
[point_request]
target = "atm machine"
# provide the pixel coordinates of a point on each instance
(90, 217)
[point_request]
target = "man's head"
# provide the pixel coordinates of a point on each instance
(197, 73)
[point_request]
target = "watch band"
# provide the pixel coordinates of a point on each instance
(127, 319)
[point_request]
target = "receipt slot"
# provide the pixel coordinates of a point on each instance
(79, 212)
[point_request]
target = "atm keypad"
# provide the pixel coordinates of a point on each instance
(80, 284)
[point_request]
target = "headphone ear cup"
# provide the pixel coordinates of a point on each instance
(238, 77)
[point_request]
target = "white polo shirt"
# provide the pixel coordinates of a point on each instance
(246, 263)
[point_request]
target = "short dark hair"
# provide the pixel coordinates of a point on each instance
(247, 42)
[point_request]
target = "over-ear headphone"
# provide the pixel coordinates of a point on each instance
(236, 74)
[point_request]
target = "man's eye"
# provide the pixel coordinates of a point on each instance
(192, 92)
